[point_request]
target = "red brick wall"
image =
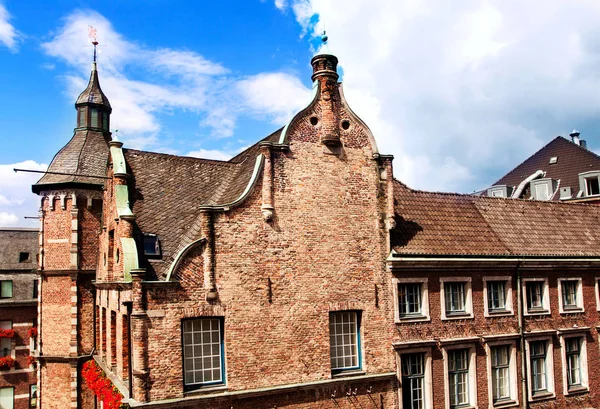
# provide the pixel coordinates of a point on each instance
(56, 315)
(56, 384)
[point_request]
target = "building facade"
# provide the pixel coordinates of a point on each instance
(18, 317)
(301, 274)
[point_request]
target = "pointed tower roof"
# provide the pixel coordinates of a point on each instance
(93, 93)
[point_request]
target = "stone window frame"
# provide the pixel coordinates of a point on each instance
(509, 310)
(468, 298)
(472, 374)
(545, 297)
(428, 384)
(513, 372)
(579, 294)
(424, 316)
(583, 362)
(549, 368)
(592, 174)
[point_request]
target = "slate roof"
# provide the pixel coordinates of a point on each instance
(168, 191)
(14, 241)
(572, 160)
(431, 223)
(85, 154)
(93, 94)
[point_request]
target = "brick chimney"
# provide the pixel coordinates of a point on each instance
(325, 72)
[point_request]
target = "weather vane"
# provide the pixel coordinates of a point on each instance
(92, 34)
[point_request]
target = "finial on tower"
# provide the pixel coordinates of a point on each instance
(324, 37)
(92, 34)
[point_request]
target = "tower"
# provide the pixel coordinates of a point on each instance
(70, 221)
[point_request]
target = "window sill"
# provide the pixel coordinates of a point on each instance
(462, 316)
(412, 318)
(349, 373)
(505, 404)
(499, 313)
(542, 396)
(577, 390)
(206, 389)
(533, 313)
(572, 311)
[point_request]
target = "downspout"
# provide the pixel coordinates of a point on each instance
(524, 386)
(524, 183)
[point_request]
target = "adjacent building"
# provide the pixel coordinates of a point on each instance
(563, 170)
(301, 274)
(18, 317)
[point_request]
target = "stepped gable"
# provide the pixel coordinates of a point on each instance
(572, 159)
(169, 191)
(446, 224)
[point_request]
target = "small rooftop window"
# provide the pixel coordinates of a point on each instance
(23, 257)
(553, 160)
(151, 245)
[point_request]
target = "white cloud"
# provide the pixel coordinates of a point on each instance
(142, 82)
(8, 33)
(461, 92)
(16, 199)
(210, 154)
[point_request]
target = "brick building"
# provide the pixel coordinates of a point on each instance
(301, 274)
(562, 170)
(18, 315)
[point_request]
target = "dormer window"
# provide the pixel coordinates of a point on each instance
(151, 245)
(542, 189)
(499, 191)
(589, 183)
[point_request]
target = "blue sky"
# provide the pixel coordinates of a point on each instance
(459, 92)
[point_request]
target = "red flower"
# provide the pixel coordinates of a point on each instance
(6, 363)
(100, 385)
(30, 360)
(7, 333)
(32, 332)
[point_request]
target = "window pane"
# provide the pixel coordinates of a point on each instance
(535, 294)
(6, 289)
(496, 295)
(538, 365)
(455, 297)
(94, 117)
(413, 374)
(409, 298)
(569, 293)
(500, 372)
(343, 338)
(7, 398)
(202, 351)
(458, 374)
(572, 350)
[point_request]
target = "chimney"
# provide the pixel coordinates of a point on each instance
(575, 137)
(583, 144)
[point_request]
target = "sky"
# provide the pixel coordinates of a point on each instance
(459, 92)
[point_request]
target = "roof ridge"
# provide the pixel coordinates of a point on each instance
(191, 158)
(494, 232)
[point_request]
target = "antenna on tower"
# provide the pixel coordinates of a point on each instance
(92, 34)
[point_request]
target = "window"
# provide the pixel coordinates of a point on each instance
(500, 372)
(411, 299)
(497, 296)
(536, 296)
(592, 187)
(81, 117)
(7, 398)
(6, 288)
(575, 372)
(458, 377)
(540, 368)
(94, 118)
(543, 189)
(413, 381)
(35, 289)
(499, 191)
(203, 352)
(105, 121)
(5, 343)
(32, 396)
(456, 298)
(23, 257)
(151, 245)
(571, 295)
(344, 341)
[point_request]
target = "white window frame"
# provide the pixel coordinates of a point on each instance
(546, 297)
(549, 368)
(468, 298)
(508, 296)
(357, 340)
(579, 294)
(428, 381)
(547, 182)
(424, 316)
(583, 190)
(585, 385)
(221, 331)
(472, 377)
(513, 373)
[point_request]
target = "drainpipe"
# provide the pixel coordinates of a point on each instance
(524, 386)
